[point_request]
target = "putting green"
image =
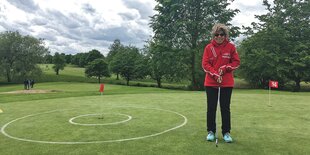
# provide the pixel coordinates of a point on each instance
(129, 120)
(105, 123)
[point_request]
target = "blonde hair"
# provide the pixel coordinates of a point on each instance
(218, 27)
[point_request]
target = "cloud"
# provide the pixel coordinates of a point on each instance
(247, 11)
(88, 9)
(47, 36)
(64, 21)
(73, 26)
(145, 8)
(128, 16)
(25, 5)
(39, 21)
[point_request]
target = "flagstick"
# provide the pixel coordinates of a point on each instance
(269, 96)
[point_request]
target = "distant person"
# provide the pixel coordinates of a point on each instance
(219, 60)
(31, 83)
(25, 84)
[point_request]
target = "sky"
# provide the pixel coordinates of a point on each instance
(75, 26)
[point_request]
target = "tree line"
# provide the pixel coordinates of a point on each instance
(278, 47)
(275, 48)
(126, 61)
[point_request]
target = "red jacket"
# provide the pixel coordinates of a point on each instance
(224, 56)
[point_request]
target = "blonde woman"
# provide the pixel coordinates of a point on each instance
(219, 60)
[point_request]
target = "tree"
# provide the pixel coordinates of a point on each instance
(76, 58)
(261, 61)
(162, 64)
(142, 67)
(186, 25)
(289, 21)
(115, 48)
(20, 54)
(79, 59)
(129, 63)
(59, 62)
(48, 59)
(98, 68)
(68, 58)
(92, 55)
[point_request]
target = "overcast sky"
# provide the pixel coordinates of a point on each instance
(74, 26)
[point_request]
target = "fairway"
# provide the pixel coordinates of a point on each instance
(74, 118)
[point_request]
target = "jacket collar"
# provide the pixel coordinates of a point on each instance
(217, 45)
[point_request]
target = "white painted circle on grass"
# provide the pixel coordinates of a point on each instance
(89, 124)
(92, 142)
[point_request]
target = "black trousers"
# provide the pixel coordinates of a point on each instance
(212, 96)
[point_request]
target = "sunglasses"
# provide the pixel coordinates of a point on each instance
(222, 34)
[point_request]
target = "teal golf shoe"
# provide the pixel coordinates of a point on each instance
(227, 138)
(210, 136)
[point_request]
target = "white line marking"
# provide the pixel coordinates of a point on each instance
(85, 124)
(92, 142)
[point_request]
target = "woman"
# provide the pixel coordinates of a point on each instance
(219, 60)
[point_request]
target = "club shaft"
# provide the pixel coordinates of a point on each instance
(217, 115)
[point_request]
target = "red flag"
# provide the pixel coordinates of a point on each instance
(273, 84)
(101, 87)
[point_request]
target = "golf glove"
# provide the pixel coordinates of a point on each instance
(217, 78)
(229, 68)
(222, 70)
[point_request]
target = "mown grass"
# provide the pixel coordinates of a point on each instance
(69, 74)
(70, 89)
(257, 128)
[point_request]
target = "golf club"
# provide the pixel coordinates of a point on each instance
(217, 115)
